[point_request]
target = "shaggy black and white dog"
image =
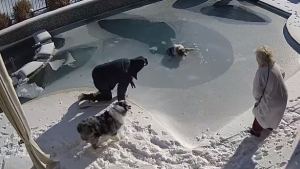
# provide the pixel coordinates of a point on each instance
(103, 126)
(179, 51)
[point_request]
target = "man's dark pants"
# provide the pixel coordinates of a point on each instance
(104, 92)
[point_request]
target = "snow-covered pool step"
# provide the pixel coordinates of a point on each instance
(292, 8)
(284, 5)
(30, 91)
(293, 26)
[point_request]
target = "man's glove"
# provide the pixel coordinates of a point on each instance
(132, 84)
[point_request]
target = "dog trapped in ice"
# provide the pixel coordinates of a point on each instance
(104, 126)
(178, 50)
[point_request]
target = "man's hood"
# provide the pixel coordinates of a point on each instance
(136, 65)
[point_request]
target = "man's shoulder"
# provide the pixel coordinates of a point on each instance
(121, 61)
(114, 62)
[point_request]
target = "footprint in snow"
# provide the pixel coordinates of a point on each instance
(291, 141)
(278, 140)
(258, 157)
(265, 153)
(281, 164)
(164, 133)
(3, 133)
(286, 131)
(277, 148)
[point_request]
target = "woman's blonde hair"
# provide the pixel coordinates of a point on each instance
(264, 56)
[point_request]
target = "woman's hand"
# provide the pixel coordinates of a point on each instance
(282, 73)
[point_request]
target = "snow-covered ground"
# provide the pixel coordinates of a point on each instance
(147, 143)
(288, 6)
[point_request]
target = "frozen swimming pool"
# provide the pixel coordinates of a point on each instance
(208, 89)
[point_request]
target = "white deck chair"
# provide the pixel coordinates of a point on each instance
(24, 72)
(45, 52)
(42, 37)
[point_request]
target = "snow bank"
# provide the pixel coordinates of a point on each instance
(145, 143)
(30, 91)
(284, 5)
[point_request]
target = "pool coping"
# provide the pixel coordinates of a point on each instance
(292, 18)
(293, 27)
(64, 16)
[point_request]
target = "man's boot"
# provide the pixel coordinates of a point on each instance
(90, 97)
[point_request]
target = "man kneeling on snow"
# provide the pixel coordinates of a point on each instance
(106, 76)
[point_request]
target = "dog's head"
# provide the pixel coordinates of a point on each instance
(86, 130)
(122, 107)
(180, 50)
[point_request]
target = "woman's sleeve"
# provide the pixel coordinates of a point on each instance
(258, 86)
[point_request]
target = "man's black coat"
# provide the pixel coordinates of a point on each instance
(121, 71)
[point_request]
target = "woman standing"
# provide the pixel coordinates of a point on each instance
(269, 91)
